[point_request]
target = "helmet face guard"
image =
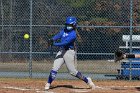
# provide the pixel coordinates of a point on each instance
(70, 23)
(69, 26)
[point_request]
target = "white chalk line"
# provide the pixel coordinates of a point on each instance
(81, 90)
(120, 86)
(105, 88)
(26, 89)
(88, 90)
(97, 87)
(75, 90)
(17, 88)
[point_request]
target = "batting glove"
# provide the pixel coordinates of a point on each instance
(50, 42)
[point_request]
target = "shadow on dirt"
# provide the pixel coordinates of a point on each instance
(67, 86)
(138, 88)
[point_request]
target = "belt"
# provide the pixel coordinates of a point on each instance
(68, 48)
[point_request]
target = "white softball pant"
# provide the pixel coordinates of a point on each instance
(68, 57)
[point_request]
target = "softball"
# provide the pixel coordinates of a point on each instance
(26, 36)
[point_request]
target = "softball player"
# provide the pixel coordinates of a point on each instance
(67, 53)
(119, 55)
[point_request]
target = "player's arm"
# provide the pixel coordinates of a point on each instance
(57, 36)
(69, 39)
(137, 55)
(54, 38)
(119, 55)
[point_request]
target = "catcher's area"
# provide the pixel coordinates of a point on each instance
(9, 85)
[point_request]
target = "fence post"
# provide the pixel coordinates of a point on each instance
(2, 17)
(131, 33)
(30, 60)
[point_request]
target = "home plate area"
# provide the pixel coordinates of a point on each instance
(68, 86)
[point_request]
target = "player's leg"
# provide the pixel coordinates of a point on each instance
(56, 66)
(69, 58)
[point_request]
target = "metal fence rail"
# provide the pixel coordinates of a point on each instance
(101, 25)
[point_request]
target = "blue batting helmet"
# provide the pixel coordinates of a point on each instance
(71, 21)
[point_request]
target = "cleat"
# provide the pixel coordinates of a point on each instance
(90, 83)
(47, 86)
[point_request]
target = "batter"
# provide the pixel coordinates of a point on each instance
(66, 54)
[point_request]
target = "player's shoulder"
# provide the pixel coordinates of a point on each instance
(73, 33)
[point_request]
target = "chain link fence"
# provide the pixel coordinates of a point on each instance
(101, 25)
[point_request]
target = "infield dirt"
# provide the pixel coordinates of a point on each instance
(11, 85)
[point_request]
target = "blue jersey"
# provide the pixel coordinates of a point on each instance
(67, 39)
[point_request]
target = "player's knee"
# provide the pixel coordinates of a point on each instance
(73, 73)
(55, 69)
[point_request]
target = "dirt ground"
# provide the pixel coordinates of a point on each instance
(11, 85)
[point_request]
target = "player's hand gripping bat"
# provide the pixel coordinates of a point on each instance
(50, 42)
